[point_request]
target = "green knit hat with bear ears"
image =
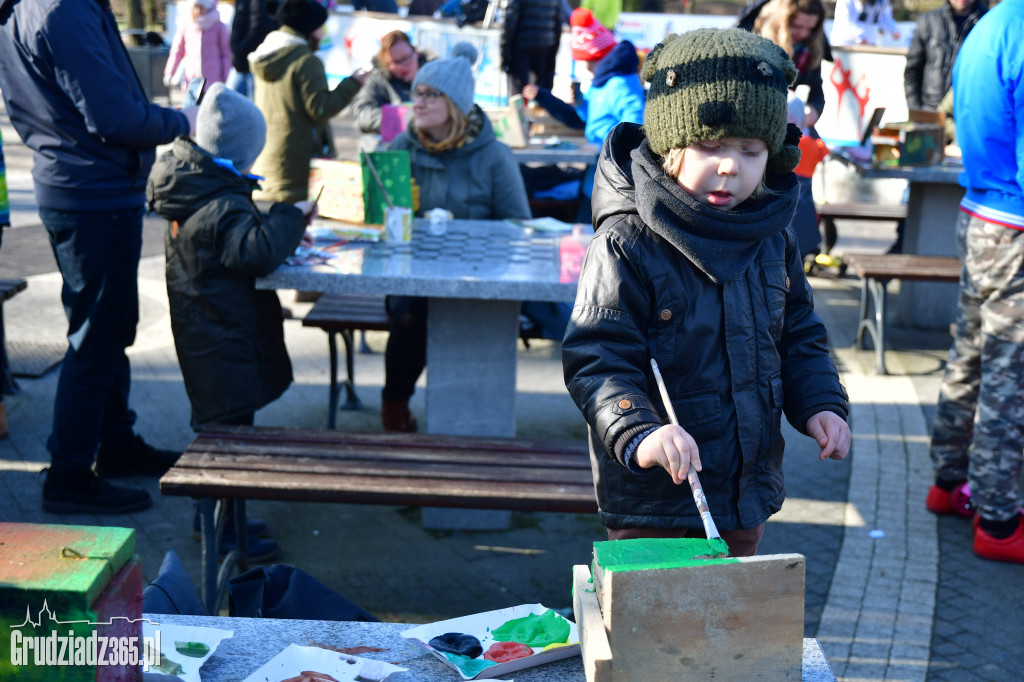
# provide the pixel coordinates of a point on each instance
(709, 84)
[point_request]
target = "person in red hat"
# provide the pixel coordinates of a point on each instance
(615, 93)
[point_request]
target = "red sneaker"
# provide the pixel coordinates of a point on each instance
(956, 501)
(1001, 549)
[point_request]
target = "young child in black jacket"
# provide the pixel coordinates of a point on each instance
(694, 263)
(228, 335)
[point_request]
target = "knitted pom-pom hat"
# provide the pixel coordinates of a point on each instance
(589, 40)
(709, 84)
(452, 76)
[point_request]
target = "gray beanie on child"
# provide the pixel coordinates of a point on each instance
(452, 76)
(229, 126)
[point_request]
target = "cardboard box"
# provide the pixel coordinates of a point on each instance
(68, 582)
(694, 619)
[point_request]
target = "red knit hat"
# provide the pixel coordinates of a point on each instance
(589, 40)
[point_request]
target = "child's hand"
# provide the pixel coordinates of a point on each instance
(671, 448)
(530, 91)
(832, 434)
(308, 208)
(308, 240)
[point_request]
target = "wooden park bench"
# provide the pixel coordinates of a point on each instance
(8, 289)
(876, 271)
(829, 212)
(340, 314)
(226, 465)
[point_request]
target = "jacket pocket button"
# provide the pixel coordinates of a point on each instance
(625, 404)
(666, 315)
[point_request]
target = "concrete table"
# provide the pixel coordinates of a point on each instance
(474, 275)
(933, 207)
(257, 640)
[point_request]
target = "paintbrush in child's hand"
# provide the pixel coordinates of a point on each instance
(714, 537)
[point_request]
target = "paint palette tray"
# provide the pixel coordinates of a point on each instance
(493, 627)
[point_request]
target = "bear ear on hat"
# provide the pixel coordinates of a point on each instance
(788, 67)
(650, 67)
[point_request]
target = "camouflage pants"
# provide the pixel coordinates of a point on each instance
(979, 426)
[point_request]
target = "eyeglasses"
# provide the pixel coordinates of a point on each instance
(427, 95)
(404, 60)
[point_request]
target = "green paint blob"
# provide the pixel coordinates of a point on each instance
(191, 649)
(535, 631)
(644, 554)
(470, 667)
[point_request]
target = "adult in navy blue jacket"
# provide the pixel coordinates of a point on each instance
(74, 99)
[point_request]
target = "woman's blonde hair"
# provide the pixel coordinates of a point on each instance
(672, 164)
(775, 17)
(458, 122)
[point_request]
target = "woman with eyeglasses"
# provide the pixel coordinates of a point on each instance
(291, 91)
(459, 165)
(390, 82)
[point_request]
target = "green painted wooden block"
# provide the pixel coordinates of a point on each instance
(65, 584)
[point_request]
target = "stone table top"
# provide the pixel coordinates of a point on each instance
(257, 640)
(474, 259)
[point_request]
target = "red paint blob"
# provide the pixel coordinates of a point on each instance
(503, 652)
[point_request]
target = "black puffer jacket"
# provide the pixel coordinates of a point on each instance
(228, 335)
(934, 46)
(720, 300)
(530, 25)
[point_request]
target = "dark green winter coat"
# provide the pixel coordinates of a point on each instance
(228, 335)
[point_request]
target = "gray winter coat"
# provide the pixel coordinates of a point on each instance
(480, 180)
(720, 300)
(228, 335)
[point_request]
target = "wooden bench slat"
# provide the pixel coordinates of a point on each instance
(862, 211)
(275, 436)
(199, 458)
(904, 266)
(387, 452)
(482, 470)
(567, 497)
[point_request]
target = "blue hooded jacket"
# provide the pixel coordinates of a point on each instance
(988, 107)
(74, 98)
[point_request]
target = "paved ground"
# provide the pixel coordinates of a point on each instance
(912, 605)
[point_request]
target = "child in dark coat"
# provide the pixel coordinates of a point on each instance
(695, 264)
(228, 335)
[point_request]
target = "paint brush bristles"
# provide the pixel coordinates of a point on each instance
(691, 476)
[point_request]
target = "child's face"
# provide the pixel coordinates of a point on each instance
(723, 173)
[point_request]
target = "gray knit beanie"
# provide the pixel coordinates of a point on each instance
(708, 84)
(229, 126)
(452, 76)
